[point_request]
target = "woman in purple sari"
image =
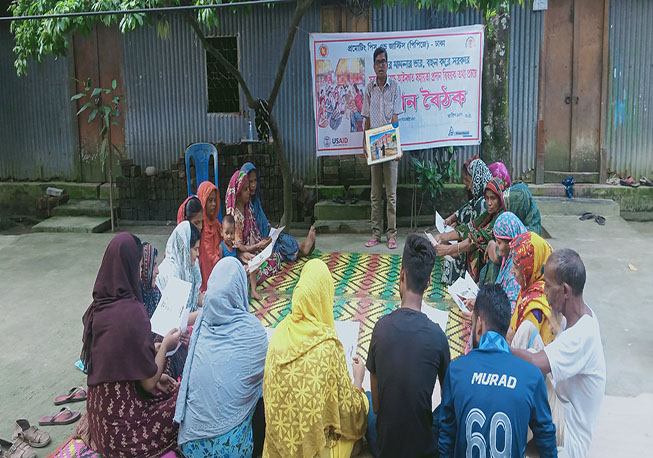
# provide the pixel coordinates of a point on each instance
(131, 401)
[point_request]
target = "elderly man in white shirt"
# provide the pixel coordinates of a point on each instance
(575, 358)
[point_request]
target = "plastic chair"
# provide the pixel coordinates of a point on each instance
(201, 154)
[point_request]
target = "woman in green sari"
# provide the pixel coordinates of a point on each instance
(476, 176)
(475, 236)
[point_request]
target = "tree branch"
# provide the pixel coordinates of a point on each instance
(300, 10)
(192, 20)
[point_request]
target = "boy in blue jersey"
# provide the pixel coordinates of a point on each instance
(490, 397)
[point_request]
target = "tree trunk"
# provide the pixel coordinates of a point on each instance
(253, 103)
(496, 146)
(286, 173)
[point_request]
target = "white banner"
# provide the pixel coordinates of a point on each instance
(438, 71)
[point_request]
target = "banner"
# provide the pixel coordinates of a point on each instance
(438, 72)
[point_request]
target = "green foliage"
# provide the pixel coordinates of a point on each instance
(36, 39)
(108, 111)
(432, 176)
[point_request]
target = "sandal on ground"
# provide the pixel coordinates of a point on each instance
(372, 242)
(64, 417)
(600, 220)
(629, 182)
(75, 394)
(645, 182)
(17, 449)
(354, 200)
(392, 243)
(586, 216)
(30, 434)
(339, 200)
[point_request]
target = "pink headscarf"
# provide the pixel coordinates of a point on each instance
(499, 170)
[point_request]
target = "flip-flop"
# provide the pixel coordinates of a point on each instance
(76, 394)
(629, 182)
(645, 182)
(353, 200)
(64, 417)
(338, 200)
(372, 242)
(600, 220)
(586, 216)
(392, 243)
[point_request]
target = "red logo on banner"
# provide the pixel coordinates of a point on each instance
(323, 51)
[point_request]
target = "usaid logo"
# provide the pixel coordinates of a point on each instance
(340, 141)
(327, 142)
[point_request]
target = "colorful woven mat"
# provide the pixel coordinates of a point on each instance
(76, 448)
(366, 288)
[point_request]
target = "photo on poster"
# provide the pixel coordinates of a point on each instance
(382, 144)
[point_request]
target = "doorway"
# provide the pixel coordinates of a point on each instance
(569, 127)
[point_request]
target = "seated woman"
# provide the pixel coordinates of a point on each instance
(209, 196)
(182, 251)
(475, 236)
(529, 253)
(476, 176)
(286, 244)
(506, 228)
(191, 210)
(312, 409)
(247, 237)
(223, 376)
(130, 400)
(518, 199)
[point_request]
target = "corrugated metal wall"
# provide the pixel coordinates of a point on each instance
(629, 120)
(37, 126)
(167, 95)
(523, 79)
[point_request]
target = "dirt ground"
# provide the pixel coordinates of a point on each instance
(46, 282)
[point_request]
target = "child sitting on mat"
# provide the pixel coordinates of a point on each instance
(227, 249)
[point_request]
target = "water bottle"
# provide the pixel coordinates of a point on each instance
(251, 132)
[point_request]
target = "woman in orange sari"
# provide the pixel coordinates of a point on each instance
(530, 252)
(209, 196)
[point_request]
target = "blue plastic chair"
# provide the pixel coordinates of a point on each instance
(201, 154)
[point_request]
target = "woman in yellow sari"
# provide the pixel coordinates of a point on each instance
(312, 408)
(530, 252)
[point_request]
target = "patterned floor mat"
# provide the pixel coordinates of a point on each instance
(366, 288)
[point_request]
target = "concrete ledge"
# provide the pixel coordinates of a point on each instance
(629, 199)
(83, 224)
(328, 210)
(576, 206)
(342, 227)
(19, 197)
(95, 207)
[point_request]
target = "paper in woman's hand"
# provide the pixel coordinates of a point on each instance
(171, 312)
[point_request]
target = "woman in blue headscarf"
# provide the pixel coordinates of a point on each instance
(286, 245)
(223, 375)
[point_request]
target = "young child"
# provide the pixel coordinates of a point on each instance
(227, 248)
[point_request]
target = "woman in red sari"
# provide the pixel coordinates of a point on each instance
(131, 402)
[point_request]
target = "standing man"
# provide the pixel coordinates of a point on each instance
(490, 397)
(575, 358)
(381, 106)
(406, 355)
